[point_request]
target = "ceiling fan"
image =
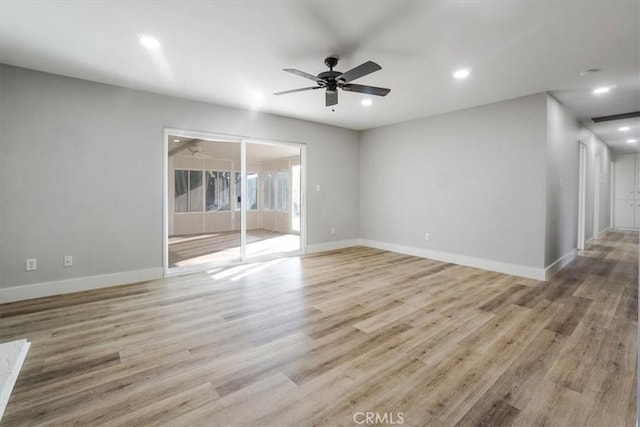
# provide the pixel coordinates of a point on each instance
(332, 80)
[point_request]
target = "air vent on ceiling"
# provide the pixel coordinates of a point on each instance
(616, 117)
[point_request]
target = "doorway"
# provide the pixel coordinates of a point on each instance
(582, 194)
(229, 200)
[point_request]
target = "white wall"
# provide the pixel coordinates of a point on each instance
(81, 173)
(474, 179)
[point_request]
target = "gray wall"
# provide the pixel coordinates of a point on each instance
(563, 134)
(474, 179)
(81, 173)
(562, 181)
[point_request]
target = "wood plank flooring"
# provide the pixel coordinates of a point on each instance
(208, 247)
(321, 339)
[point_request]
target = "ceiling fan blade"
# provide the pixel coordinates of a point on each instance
(361, 70)
(296, 90)
(331, 98)
(302, 74)
(371, 90)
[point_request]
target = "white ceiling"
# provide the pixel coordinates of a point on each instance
(232, 52)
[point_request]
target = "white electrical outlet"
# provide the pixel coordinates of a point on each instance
(31, 264)
(333, 230)
(68, 261)
(317, 187)
(426, 236)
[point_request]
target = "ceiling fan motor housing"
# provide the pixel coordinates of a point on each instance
(331, 79)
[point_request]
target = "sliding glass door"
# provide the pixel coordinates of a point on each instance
(228, 201)
(271, 228)
(204, 226)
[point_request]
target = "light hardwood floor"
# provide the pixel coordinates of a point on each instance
(196, 249)
(314, 340)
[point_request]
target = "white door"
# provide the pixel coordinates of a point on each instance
(636, 179)
(624, 213)
(625, 176)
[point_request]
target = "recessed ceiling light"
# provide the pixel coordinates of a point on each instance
(624, 128)
(462, 73)
(176, 140)
(601, 90)
(149, 42)
(256, 100)
(366, 102)
(631, 141)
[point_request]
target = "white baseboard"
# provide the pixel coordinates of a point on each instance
(12, 355)
(560, 262)
(622, 229)
(38, 290)
(332, 246)
(19, 293)
(592, 238)
(469, 261)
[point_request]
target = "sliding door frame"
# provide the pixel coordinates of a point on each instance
(243, 141)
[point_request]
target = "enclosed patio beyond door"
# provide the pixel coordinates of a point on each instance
(273, 226)
(229, 200)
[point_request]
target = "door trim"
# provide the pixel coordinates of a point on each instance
(582, 193)
(597, 178)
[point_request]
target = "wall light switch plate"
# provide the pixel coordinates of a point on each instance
(68, 261)
(31, 264)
